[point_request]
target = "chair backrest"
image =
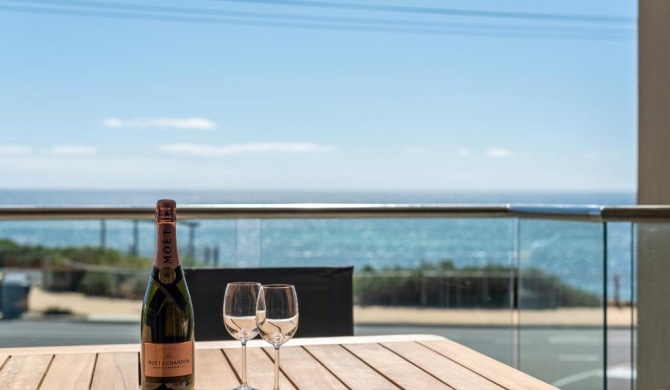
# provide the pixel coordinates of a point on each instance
(325, 298)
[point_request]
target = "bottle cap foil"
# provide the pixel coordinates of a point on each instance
(166, 211)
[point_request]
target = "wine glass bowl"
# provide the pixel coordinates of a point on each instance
(239, 309)
(239, 318)
(277, 318)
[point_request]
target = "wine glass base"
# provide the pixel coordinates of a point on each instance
(243, 387)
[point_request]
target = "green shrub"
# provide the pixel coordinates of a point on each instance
(98, 283)
(133, 286)
(57, 310)
(444, 285)
(89, 270)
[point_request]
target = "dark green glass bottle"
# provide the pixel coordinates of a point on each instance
(167, 329)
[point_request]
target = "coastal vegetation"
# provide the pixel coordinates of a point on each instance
(88, 270)
(442, 284)
(111, 273)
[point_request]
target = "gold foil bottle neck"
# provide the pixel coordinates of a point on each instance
(166, 211)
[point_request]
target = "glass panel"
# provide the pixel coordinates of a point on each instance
(137, 237)
(248, 238)
(561, 287)
(621, 304)
(82, 282)
(652, 251)
(440, 276)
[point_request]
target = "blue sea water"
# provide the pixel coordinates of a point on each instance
(574, 251)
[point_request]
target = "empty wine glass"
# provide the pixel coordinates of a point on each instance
(239, 316)
(277, 317)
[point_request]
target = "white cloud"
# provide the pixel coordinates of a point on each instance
(499, 152)
(414, 150)
(462, 152)
(77, 150)
(267, 147)
(14, 149)
(160, 123)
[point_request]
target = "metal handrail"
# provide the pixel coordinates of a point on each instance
(593, 213)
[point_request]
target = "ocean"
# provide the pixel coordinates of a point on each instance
(572, 251)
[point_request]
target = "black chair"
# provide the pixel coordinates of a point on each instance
(325, 298)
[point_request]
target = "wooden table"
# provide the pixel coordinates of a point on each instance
(377, 362)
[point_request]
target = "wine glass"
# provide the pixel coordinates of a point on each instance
(239, 317)
(277, 317)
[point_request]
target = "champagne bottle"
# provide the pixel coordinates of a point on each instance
(167, 345)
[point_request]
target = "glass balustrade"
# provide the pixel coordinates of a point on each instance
(553, 297)
(561, 302)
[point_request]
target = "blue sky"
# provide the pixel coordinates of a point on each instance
(111, 102)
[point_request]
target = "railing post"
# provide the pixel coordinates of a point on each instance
(103, 234)
(136, 238)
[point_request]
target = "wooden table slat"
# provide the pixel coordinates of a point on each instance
(304, 370)
(212, 370)
(338, 363)
(353, 372)
(260, 368)
(395, 368)
(502, 374)
(24, 372)
(72, 372)
(446, 370)
(116, 371)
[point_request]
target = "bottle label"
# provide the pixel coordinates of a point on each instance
(168, 360)
(166, 253)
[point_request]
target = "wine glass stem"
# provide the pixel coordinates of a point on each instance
(244, 363)
(276, 368)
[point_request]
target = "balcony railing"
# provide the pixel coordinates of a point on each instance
(591, 213)
(549, 289)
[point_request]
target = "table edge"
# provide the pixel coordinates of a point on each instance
(304, 341)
